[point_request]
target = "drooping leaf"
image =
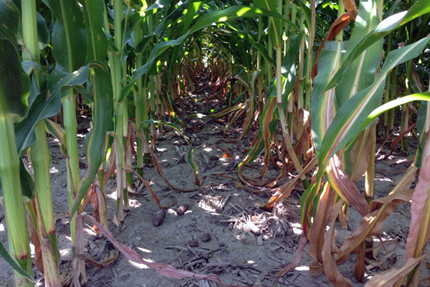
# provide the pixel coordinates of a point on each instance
(46, 105)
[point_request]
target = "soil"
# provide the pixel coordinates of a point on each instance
(222, 230)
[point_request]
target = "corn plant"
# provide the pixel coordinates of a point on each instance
(133, 65)
(14, 107)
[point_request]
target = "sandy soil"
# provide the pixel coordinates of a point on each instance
(241, 250)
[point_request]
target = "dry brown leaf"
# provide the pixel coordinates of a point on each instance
(382, 208)
(329, 262)
(300, 249)
(35, 240)
(158, 165)
(288, 187)
(346, 189)
(108, 260)
(338, 25)
(395, 275)
(350, 6)
(241, 185)
(360, 266)
(419, 233)
(228, 155)
(316, 237)
(151, 191)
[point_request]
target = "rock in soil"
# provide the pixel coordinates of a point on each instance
(206, 237)
(158, 218)
(182, 209)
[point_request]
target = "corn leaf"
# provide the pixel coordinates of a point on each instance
(380, 210)
(324, 105)
(392, 104)
(346, 189)
(46, 105)
(288, 68)
(384, 28)
(93, 13)
(69, 36)
(392, 276)
(354, 112)
(362, 71)
(420, 214)
(268, 123)
(9, 19)
(102, 121)
(227, 14)
(14, 83)
(12, 263)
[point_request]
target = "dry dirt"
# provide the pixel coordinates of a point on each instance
(247, 245)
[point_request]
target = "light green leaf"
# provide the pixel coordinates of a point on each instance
(354, 112)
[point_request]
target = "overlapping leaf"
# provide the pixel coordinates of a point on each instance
(354, 112)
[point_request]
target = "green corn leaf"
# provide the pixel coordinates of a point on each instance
(14, 83)
(384, 28)
(43, 35)
(306, 12)
(86, 92)
(275, 27)
(93, 13)
(58, 132)
(159, 4)
(288, 68)
(69, 36)
(171, 18)
(34, 70)
(9, 20)
(46, 105)
(193, 8)
(102, 122)
(227, 14)
(363, 70)
(392, 104)
(324, 105)
(12, 263)
(421, 125)
(350, 117)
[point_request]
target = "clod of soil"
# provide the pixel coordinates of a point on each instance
(206, 237)
(182, 209)
(158, 218)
